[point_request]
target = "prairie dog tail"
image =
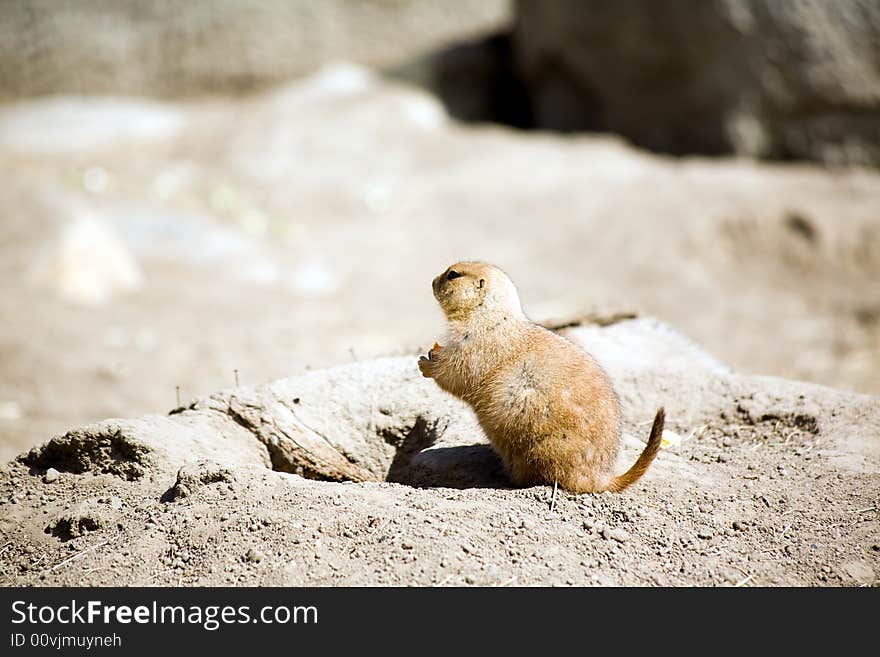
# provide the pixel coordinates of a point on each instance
(645, 458)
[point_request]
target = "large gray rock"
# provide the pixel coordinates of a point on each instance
(781, 79)
(165, 47)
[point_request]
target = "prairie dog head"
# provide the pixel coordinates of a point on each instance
(466, 288)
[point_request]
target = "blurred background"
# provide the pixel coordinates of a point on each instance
(194, 192)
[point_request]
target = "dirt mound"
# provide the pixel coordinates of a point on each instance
(770, 482)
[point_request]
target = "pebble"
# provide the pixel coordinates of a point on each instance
(615, 534)
(51, 475)
(739, 526)
(115, 503)
(705, 533)
(725, 442)
(254, 556)
(224, 517)
(468, 580)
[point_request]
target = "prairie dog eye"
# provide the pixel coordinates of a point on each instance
(452, 275)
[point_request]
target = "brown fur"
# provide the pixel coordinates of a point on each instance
(546, 405)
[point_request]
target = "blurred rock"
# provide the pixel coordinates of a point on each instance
(168, 48)
(782, 79)
(67, 124)
(89, 264)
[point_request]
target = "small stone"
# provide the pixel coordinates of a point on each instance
(115, 503)
(254, 556)
(615, 534)
(224, 517)
(406, 546)
(722, 458)
(725, 442)
(589, 524)
(51, 475)
(469, 580)
(739, 526)
(860, 571)
(705, 533)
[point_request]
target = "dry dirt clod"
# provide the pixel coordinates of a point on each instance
(51, 475)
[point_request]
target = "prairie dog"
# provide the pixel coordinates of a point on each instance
(546, 405)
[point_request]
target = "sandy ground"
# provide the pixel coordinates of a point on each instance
(152, 247)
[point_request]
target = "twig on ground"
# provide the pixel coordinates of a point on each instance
(507, 582)
(743, 581)
(78, 555)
